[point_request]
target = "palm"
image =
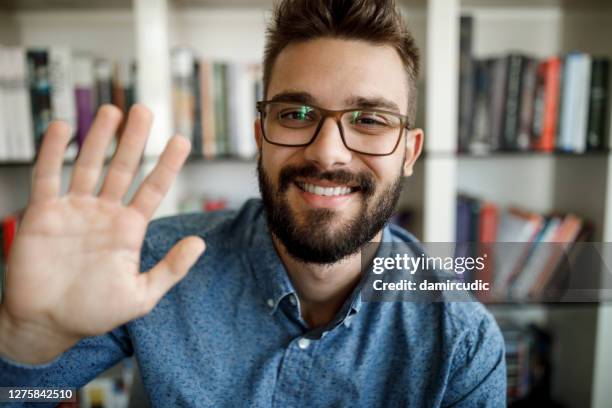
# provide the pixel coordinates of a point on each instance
(75, 263)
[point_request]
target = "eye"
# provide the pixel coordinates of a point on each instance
(301, 114)
(369, 119)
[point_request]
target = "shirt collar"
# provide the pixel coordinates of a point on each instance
(267, 266)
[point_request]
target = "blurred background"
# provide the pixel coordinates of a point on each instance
(514, 101)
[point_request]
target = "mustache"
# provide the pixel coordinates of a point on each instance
(363, 181)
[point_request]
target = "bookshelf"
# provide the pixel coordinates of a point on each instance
(234, 30)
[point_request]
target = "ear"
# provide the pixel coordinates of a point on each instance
(258, 134)
(414, 146)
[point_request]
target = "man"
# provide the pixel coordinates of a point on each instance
(271, 314)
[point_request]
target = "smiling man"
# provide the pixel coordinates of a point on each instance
(271, 314)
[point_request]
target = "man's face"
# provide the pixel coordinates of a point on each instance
(295, 182)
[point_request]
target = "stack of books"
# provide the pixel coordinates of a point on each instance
(214, 104)
(40, 85)
(527, 252)
(517, 102)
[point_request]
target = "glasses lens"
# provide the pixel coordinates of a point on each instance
(290, 123)
(371, 131)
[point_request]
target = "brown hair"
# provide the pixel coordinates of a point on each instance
(374, 21)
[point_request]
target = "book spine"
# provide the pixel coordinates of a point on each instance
(40, 92)
(515, 66)
(480, 140)
(466, 82)
(196, 137)
(598, 104)
(4, 119)
(550, 105)
(498, 102)
(579, 136)
(528, 97)
(20, 106)
(220, 104)
(208, 113)
(103, 74)
(183, 91)
(62, 85)
(84, 95)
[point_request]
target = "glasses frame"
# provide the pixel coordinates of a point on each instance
(337, 115)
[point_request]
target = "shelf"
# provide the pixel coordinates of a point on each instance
(12, 5)
(516, 154)
(531, 4)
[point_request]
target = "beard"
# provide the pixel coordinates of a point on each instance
(317, 238)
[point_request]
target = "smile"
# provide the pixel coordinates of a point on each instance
(325, 191)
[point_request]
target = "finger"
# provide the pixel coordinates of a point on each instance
(157, 183)
(170, 270)
(47, 173)
(127, 158)
(89, 164)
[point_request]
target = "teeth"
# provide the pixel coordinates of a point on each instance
(325, 191)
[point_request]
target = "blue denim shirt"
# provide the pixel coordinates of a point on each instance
(230, 334)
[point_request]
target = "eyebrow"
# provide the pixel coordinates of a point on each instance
(361, 102)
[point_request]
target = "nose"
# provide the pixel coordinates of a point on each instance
(328, 150)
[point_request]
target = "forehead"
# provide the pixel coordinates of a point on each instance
(336, 70)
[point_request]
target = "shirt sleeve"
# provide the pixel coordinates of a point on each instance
(478, 378)
(74, 368)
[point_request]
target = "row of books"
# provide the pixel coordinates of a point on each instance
(214, 104)
(40, 85)
(528, 364)
(517, 102)
(526, 251)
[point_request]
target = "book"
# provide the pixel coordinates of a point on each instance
(40, 92)
(182, 65)
(63, 105)
(597, 127)
(84, 95)
(103, 78)
(480, 140)
(515, 67)
(546, 105)
(466, 82)
(196, 136)
(536, 260)
(207, 111)
(527, 108)
(18, 130)
(566, 234)
(241, 109)
(516, 233)
(220, 108)
(4, 117)
(574, 103)
(498, 100)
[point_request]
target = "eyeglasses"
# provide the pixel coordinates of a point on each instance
(367, 131)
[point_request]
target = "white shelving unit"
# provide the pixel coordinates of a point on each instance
(234, 30)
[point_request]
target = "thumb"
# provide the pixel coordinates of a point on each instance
(170, 270)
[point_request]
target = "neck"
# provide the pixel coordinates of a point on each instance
(322, 289)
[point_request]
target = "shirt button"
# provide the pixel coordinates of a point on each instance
(292, 300)
(270, 303)
(303, 343)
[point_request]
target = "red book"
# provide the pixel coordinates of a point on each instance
(487, 230)
(487, 236)
(9, 228)
(549, 76)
